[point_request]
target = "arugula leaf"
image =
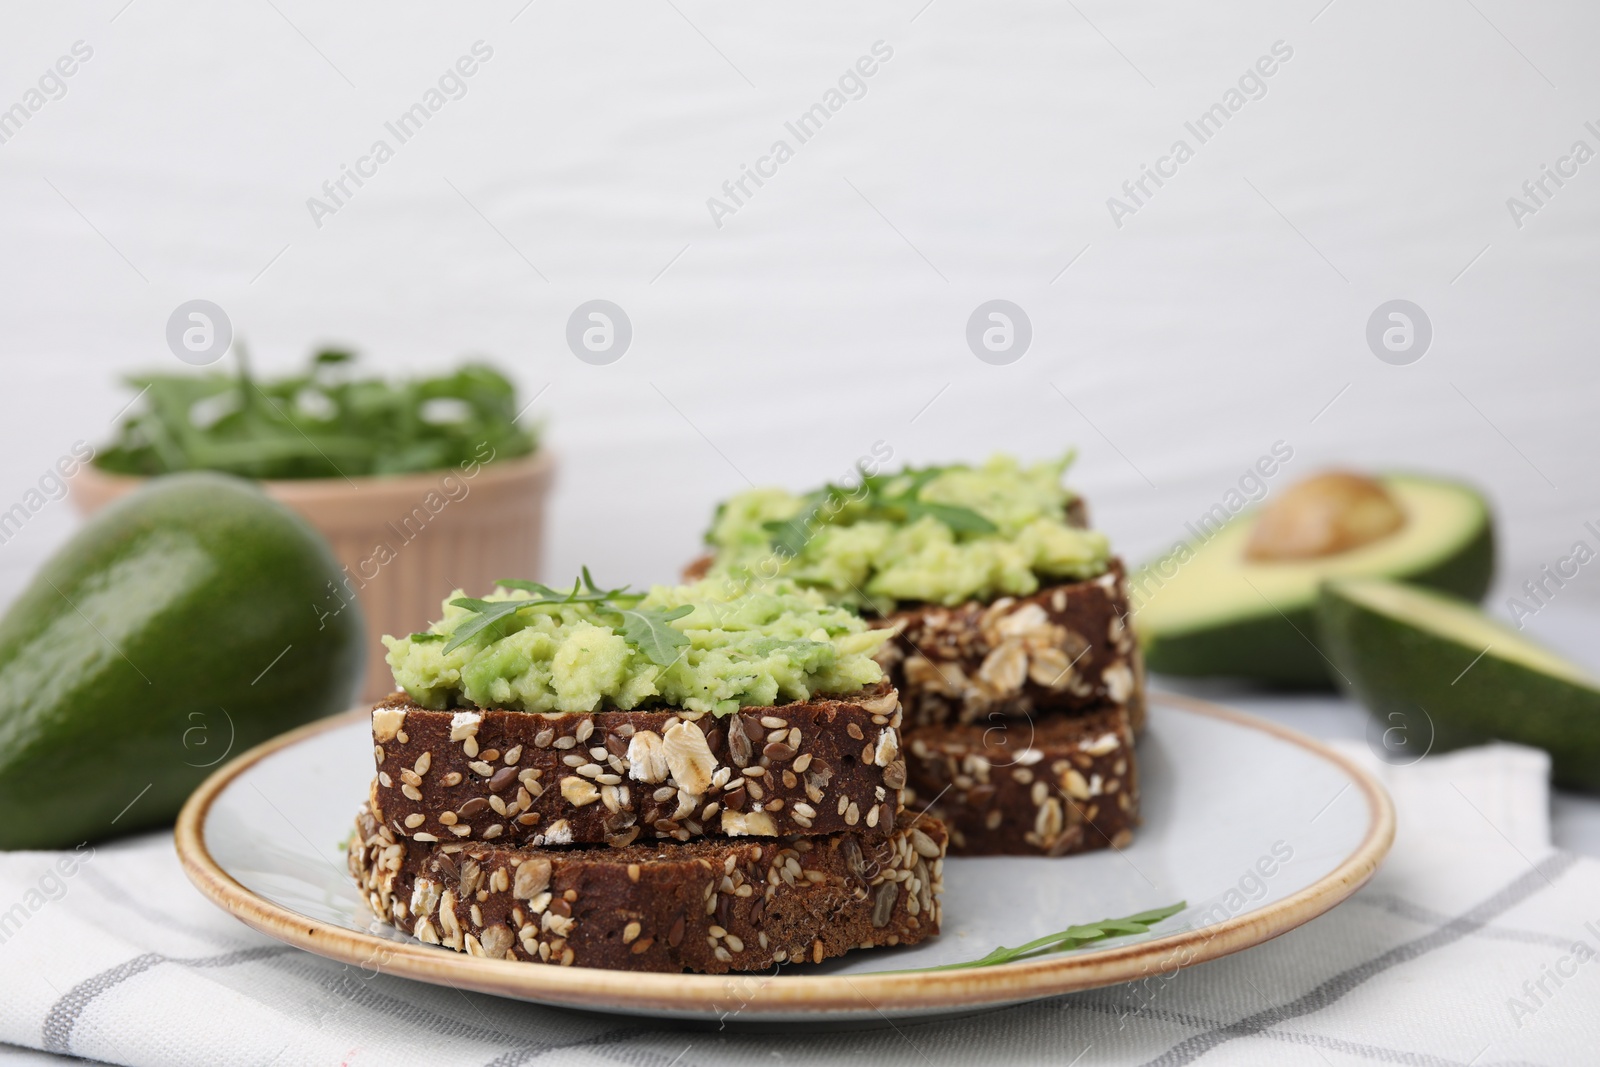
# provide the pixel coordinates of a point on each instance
(648, 631)
(490, 613)
(538, 589)
(1070, 938)
(959, 519)
(789, 536)
(588, 580)
(594, 592)
(917, 479)
(1155, 915)
(827, 505)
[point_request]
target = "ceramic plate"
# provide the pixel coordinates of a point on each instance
(1257, 827)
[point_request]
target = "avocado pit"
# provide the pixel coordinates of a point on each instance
(1325, 515)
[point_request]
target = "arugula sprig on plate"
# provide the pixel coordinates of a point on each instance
(646, 629)
(1070, 938)
(873, 499)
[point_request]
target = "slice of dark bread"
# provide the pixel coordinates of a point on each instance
(1066, 648)
(712, 905)
(1051, 786)
(616, 777)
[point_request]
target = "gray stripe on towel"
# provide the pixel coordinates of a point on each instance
(64, 1013)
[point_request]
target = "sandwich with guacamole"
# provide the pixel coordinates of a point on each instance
(1011, 644)
(685, 778)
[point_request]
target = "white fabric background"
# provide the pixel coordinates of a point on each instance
(830, 310)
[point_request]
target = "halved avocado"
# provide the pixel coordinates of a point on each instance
(1402, 649)
(1210, 609)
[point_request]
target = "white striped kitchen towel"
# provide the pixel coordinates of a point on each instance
(1476, 944)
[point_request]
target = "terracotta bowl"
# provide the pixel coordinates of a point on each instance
(405, 541)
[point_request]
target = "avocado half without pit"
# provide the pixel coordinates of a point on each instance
(1452, 676)
(1240, 600)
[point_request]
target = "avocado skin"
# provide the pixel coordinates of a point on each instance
(1265, 649)
(1394, 668)
(1282, 650)
(139, 656)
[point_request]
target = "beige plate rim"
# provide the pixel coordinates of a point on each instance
(687, 994)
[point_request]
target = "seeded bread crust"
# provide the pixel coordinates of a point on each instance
(1054, 786)
(710, 905)
(1067, 648)
(616, 777)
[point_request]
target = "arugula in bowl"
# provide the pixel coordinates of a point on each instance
(327, 422)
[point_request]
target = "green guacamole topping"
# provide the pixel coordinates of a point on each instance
(708, 648)
(940, 535)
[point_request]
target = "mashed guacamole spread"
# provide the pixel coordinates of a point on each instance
(942, 535)
(731, 648)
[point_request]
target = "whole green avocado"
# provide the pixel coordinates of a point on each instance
(181, 625)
